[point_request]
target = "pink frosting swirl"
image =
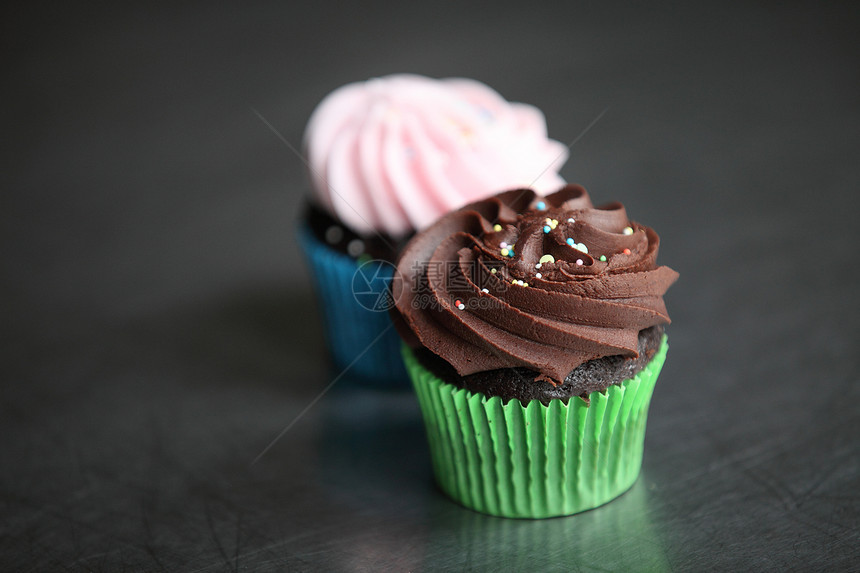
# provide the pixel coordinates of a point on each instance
(393, 154)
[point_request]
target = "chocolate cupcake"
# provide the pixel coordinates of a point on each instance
(534, 335)
(388, 157)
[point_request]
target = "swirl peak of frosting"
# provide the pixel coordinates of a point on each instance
(519, 280)
(393, 154)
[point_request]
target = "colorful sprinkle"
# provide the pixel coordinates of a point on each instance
(525, 284)
(538, 276)
(497, 227)
(580, 247)
(505, 252)
(503, 244)
(492, 271)
(603, 258)
(626, 251)
(579, 262)
(570, 241)
(547, 259)
(541, 205)
(459, 304)
(546, 229)
(628, 230)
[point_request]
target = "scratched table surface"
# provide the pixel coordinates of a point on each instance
(160, 331)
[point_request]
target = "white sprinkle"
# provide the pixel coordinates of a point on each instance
(538, 276)
(579, 262)
(461, 306)
(355, 247)
(333, 234)
(628, 230)
(484, 290)
(537, 266)
(571, 220)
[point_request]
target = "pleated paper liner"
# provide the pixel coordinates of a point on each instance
(535, 461)
(351, 328)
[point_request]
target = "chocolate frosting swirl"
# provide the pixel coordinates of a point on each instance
(518, 280)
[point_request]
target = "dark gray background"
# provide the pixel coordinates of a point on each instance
(159, 329)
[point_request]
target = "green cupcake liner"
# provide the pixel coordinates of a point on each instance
(535, 461)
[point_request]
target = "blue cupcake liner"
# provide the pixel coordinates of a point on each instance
(354, 299)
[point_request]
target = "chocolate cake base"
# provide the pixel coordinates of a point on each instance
(522, 383)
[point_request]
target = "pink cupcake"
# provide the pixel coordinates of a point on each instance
(388, 157)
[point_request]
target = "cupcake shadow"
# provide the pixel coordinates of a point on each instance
(373, 450)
